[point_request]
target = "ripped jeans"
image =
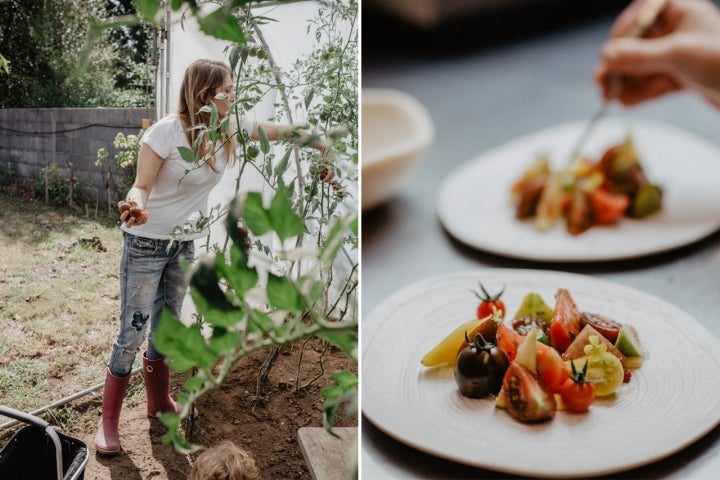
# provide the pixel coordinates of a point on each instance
(151, 277)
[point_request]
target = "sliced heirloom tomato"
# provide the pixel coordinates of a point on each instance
(607, 327)
(445, 352)
(508, 340)
(527, 398)
(603, 368)
(551, 367)
(565, 324)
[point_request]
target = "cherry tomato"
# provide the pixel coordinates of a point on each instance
(490, 304)
(527, 398)
(480, 368)
(577, 394)
(565, 324)
(551, 367)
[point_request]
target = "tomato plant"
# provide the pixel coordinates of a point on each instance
(489, 304)
(577, 393)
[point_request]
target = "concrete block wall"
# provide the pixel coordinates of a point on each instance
(31, 138)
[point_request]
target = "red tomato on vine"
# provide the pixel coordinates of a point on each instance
(489, 304)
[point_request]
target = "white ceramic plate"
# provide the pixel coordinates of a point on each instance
(673, 400)
(475, 207)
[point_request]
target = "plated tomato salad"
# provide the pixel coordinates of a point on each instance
(542, 359)
(586, 193)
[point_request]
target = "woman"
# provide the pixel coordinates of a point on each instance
(166, 195)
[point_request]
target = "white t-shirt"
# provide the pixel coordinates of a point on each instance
(180, 193)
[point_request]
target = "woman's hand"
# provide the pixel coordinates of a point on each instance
(131, 214)
(680, 52)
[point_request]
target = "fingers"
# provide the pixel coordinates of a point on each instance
(640, 90)
(626, 20)
(130, 214)
(632, 56)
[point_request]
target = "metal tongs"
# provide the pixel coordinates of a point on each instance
(647, 13)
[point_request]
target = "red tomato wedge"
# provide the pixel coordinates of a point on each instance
(566, 319)
(551, 367)
(607, 207)
(508, 341)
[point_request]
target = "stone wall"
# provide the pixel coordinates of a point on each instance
(31, 138)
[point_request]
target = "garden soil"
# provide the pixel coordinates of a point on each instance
(266, 427)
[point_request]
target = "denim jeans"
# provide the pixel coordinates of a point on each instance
(151, 278)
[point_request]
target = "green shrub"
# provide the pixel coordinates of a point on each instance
(57, 185)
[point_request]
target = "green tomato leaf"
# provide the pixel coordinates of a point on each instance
(264, 142)
(284, 163)
(283, 218)
(186, 154)
(223, 341)
(222, 24)
(259, 322)
(283, 295)
(256, 217)
(345, 340)
(177, 342)
(193, 384)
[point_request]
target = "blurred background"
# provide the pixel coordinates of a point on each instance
(489, 72)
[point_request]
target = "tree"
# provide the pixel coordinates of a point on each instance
(42, 42)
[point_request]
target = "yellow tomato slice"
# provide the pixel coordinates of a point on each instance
(445, 352)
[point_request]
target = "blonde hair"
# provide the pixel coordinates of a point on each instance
(202, 80)
(224, 461)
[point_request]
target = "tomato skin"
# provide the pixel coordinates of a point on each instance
(565, 324)
(485, 308)
(489, 304)
(527, 398)
(480, 368)
(577, 395)
(508, 340)
(607, 327)
(551, 367)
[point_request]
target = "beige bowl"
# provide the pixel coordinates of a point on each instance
(396, 131)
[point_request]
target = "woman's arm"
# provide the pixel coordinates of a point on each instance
(148, 166)
(279, 131)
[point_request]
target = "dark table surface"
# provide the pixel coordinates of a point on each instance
(485, 83)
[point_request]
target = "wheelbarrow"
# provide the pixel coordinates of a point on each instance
(38, 452)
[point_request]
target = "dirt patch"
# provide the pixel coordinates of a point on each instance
(266, 426)
(58, 305)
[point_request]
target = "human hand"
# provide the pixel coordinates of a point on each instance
(131, 214)
(680, 52)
